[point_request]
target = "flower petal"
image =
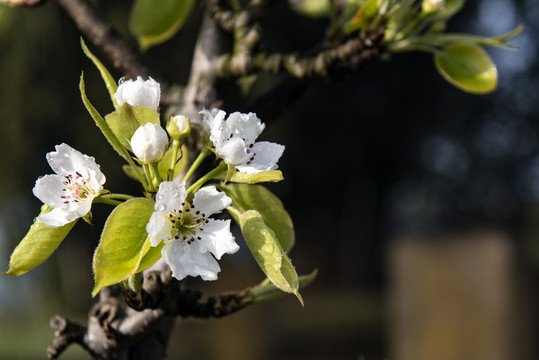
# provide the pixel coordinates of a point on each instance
(217, 238)
(267, 156)
(48, 189)
(169, 197)
(187, 260)
(232, 150)
(56, 217)
(246, 126)
(210, 201)
(159, 228)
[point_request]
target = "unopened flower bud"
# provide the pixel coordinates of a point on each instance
(179, 127)
(149, 143)
(139, 93)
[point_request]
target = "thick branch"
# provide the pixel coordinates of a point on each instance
(103, 35)
(348, 56)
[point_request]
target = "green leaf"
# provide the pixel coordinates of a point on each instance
(165, 163)
(363, 17)
(468, 67)
(126, 120)
(151, 255)
(267, 251)
(256, 197)
(155, 21)
(264, 176)
(105, 74)
(36, 247)
(312, 8)
(267, 291)
(122, 243)
(101, 123)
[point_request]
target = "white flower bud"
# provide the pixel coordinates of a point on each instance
(179, 127)
(149, 143)
(139, 93)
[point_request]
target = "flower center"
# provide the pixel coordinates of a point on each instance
(187, 222)
(74, 188)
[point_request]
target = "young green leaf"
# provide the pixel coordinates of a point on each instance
(122, 243)
(264, 176)
(153, 22)
(468, 67)
(127, 119)
(36, 247)
(256, 197)
(267, 291)
(100, 122)
(267, 251)
(151, 255)
(105, 74)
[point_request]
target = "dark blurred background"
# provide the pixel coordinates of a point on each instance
(389, 154)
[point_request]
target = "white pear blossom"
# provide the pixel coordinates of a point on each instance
(234, 140)
(70, 192)
(192, 240)
(139, 93)
(149, 142)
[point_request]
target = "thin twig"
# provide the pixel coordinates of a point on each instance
(102, 34)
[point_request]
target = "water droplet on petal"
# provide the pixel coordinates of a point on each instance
(159, 197)
(160, 207)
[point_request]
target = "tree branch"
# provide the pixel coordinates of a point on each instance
(103, 35)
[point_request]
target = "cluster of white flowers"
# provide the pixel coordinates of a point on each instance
(192, 240)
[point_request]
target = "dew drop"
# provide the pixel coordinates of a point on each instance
(160, 207)
(267, 248)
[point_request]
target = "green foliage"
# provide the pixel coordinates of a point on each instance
(36, 247)
(127, 119)
(264, 176)
(256, 197)
(266, 290)
(123, 243)
(468, 67)
(155, 21)
(312, 8)
(105, 74)
(267, 251)
(101, 123)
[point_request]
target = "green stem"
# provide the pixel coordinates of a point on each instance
(156, 177)
(102, 200)
(175, 149)
(205, 151)
(212, 174)
(148, 174)
(117, 196)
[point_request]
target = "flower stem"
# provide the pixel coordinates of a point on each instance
(221, 169)
(148, 173)
(175, 149)
(156, 177)
(205, 151)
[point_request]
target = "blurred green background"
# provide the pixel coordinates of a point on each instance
(389, 152)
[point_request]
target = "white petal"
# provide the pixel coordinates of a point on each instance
(246, 126)
(210, 201)
(169, 197)
(187, 260)
(48, 189)
(149, 142)
(232, 151)
(139, 93)
(267, 156)
(55, 218)
(217, 238)
(159, 228)
(68, 161)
